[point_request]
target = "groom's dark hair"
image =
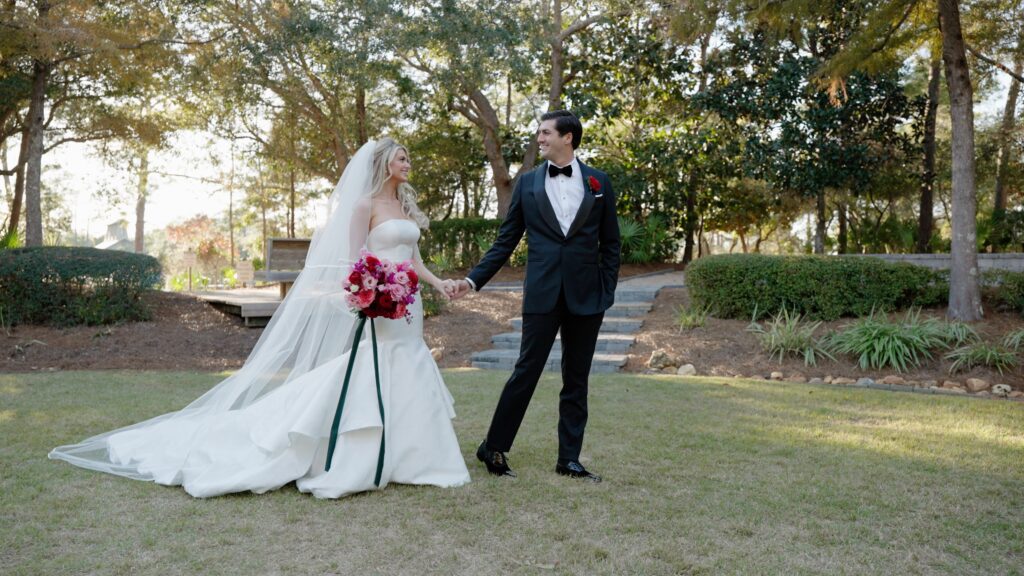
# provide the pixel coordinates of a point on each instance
(566, 122)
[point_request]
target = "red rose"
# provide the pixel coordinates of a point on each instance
(595, 186)
(355, 277)
(372, 263)
(414, 280)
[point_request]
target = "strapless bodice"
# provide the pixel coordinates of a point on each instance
(394, 239)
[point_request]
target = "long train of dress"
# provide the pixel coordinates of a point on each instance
(283, 436)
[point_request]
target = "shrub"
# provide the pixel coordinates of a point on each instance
(1006, 288)
(879, 343)
(68, 285)
(434, 302)
(459, 241)
(690, 317)
(789, 333)
(959, 333)
(822, 287)
(647, 241)
(982, 354)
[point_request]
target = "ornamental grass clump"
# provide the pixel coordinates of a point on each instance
(789, 333)
(690, 317)
(1014, 340)
(879, 343)
(982, 354)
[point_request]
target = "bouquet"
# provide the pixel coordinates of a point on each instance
(379, 288)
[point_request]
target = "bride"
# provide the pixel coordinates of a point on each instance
(268, 424)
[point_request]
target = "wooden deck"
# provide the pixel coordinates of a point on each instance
(254, 305)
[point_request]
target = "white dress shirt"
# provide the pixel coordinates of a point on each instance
(565, 194)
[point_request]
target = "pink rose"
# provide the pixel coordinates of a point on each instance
(402, 277)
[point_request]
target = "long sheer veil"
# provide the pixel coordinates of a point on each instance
(311, 326)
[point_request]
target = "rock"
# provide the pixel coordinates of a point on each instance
(796, 379)
(1016, 394)
(843, 381)
(756, 377)
(776, 376)
(930, 383)
(957, 390)
(816, 381)
(977, 384)
(668, 370)
(893, 379)
(913, 383)
(950, 384)
(865, 382)
(983, 393)
(828, 379)
(687, 370)
(437, 353)
(661, 359)
(1001, 390)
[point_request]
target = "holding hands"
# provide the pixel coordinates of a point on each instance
(455, 289)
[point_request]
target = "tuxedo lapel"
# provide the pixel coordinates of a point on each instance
(547, 211)
(588, 200)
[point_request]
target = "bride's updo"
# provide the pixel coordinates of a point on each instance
(383, 154)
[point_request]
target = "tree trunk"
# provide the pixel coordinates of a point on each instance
(819, 225)
(964, 292)
(689, 217)
(140, 202)
(34, 168)
(557, 58)
(843, 229)
(925, 219)
(19, 185)
(1003, 155)
(231, 208)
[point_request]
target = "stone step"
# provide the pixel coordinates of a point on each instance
(611, 343)
(506, 359)
(616, 325)
(635, 295)
(628, 309)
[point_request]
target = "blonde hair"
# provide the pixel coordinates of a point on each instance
(383, 154)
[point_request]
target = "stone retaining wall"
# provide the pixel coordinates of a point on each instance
(1013, 261)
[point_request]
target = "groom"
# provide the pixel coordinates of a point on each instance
(567, 210)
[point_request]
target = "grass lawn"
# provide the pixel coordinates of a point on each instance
(702, 476)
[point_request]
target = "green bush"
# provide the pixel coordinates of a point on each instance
(822, 287)
(1006, 288)
(66, 286)
(459, 242)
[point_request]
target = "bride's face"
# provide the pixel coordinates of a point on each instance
(399, 166)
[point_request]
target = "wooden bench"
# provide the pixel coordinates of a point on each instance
(285, 259)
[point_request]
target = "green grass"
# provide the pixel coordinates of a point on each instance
(702, 476)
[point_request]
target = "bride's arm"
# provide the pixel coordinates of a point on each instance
(425, 274)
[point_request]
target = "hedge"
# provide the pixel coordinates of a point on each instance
(66, 286)
(459, 242)
(822, 287)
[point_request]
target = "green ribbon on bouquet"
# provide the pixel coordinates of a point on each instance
(344, 392)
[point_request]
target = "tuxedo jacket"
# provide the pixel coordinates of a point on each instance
(583, 263)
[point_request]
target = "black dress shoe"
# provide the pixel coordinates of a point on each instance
(576, 470)
(496, 462)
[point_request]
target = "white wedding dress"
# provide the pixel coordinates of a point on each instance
(283, 436)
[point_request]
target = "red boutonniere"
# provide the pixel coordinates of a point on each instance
(595, 187)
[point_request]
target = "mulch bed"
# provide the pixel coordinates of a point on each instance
(188, 334)
(726, 348)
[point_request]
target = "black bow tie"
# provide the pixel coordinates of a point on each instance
(555, 170)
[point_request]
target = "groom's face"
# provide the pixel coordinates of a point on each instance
(552, 144)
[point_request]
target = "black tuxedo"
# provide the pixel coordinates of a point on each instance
(570, 282)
